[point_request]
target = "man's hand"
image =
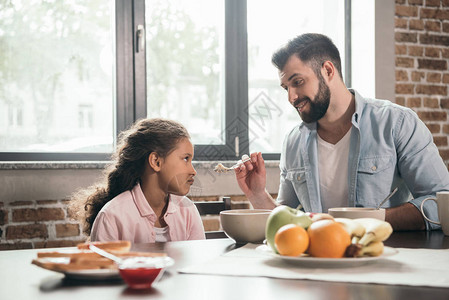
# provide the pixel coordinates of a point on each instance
(251, 177)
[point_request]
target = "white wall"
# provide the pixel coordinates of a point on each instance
(57, 184)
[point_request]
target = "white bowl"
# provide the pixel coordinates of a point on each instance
(141, 272)
(357, 212)
(245, 225)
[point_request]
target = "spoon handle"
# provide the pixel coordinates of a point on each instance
(388, 197)
(222, 169)
(105, 254)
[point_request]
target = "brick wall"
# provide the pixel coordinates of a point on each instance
(38, 224)
(50, 223)
(422, 64)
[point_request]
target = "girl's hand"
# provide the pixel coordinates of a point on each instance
(251, 176)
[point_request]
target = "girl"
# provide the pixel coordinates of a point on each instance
(144, 197)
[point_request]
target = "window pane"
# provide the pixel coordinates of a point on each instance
(270, 114)
(363, 46)
(56, 76)
(185, 65)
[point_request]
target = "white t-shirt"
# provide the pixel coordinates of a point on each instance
(162, 234)
(333, 171)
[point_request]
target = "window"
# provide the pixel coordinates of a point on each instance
(56, 78)
(185, 58)
(192, 74)
(97, 66)
(15, 118)
(270, 114)
(363, 47)
(85, 116)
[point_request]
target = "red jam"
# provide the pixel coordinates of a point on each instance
(140, 278)
(141, 272)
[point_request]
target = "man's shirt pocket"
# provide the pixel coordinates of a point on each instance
(374, 176)
(297, 178)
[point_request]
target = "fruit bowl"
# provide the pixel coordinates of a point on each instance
(314, 262)
(245, 225)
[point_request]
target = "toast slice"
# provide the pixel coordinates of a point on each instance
(117, 246)
(82, 258)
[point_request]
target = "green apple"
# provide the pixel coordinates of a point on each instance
(283, 215)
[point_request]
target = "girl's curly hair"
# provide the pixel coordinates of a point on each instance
(128, 165)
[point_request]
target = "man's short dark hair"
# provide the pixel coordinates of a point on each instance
(312, 48)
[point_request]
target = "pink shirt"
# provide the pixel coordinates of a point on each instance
(129, 217)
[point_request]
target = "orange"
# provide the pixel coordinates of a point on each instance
(328, 239)
(291, 240)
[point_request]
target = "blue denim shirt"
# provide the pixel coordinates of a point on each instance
(389, 147)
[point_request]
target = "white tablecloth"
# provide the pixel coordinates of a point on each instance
(415, 267)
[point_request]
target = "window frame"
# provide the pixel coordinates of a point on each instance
(130, 84)
(236, 84)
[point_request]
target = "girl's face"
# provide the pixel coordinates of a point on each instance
(177, 171)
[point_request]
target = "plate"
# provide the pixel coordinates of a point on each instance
(59, 264)
(94, 274)
(333, 262)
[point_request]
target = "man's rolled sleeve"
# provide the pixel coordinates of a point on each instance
(420, 164)
(430, 209)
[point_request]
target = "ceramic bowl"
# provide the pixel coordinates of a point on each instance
(357, 212)
(141, 272)
(245, 225)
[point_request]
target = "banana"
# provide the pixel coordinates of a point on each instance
(373, 249)
(375, 230)
(355, 229)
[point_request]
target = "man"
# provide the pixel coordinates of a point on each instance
(348, 150)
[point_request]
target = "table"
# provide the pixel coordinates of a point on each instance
(22, 280)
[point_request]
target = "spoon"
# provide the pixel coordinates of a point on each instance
(388, 197)
(222, 169)
(112, 257)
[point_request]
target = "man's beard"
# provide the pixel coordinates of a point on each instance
(319, 105)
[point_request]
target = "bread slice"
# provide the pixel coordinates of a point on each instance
(118, 246)
(81, 258)
(67, 253)
(49, 264)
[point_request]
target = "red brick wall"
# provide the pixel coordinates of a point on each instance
(422, 64)
(38, 224)
(49, 223)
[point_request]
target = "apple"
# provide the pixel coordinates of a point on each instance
(283, 215)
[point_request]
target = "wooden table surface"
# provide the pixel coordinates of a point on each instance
(22, 280)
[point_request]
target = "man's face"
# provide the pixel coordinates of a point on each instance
(309, 94)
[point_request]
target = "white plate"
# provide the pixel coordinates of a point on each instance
(333, 262)
(95, 274)
(51, 263)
